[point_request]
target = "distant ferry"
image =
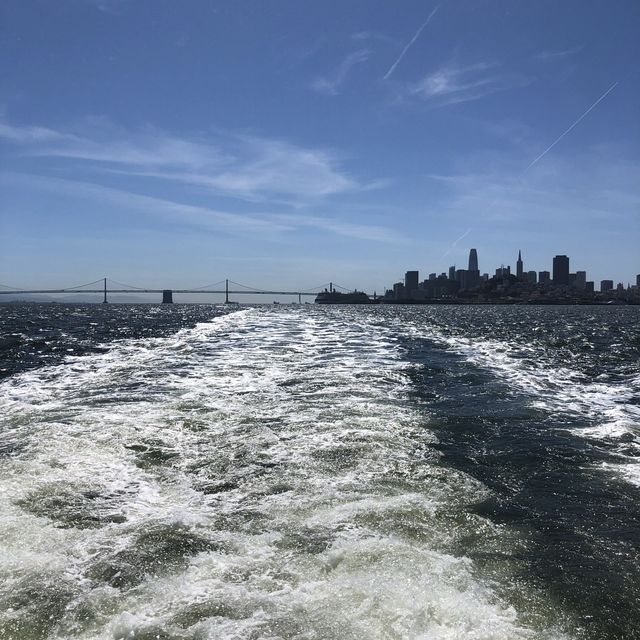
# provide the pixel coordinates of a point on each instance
(335, 297)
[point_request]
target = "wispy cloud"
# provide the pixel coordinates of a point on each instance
(454, 84)
(374, 35)
(331, 84)
(264, 223)
(556, 55)
(246, 167)
(409, 44)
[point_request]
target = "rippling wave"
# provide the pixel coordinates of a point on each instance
(296, 472)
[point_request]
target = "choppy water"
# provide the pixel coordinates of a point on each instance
(319, 473)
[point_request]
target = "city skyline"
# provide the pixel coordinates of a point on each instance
(177, 145)
(472, 278)
(474, 263)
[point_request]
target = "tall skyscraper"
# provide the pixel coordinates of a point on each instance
(452, 272)
(473, 260)
(519, 267)
(472, 274)
(561, 270)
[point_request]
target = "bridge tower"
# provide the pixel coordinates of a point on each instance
(226, 291)
(167, 296)
(104, 301)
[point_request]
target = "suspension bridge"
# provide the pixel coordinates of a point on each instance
(106, 286)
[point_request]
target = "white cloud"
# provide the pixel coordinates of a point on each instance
(454, 84)
(330, 84)
(555, 55)
(247, 167)
(265, 224)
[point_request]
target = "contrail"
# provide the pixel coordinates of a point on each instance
(418, 32)
(555, 142)
(455, 242)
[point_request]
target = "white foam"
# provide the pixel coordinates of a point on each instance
(335, 519)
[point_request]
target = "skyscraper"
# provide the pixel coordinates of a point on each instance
(452, 272)
(519, 267)
(606, 285)
(473, 260)
(473, 274)
(561, 270)
(410, 283)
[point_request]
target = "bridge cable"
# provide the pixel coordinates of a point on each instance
(320, 286)
(251, 289)
(207, 286)
(79, 286)
(130, 286)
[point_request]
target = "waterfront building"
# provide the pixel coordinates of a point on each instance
(606, 285)
(532, 277)
(519, 267)
(561, 270)
(589, 286)
(398, 291)
(543, 277)
(581, 280)
(410, 283)
(452, 272)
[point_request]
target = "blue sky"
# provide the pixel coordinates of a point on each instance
(291, 143)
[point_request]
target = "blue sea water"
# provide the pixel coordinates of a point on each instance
(187, 472)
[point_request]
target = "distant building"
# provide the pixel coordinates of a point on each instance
(432, 276)
(589, 286)
(473, 260)
(452, 272)
(638, 281)
(398, 291)
(532, 277)
(581, 280)
(410, 283)
(543, 277)
(461, 278)
(606, 285)
(561, 270)
(485, 277)
(503, 272)
(620, 287)
(473, 273)
(519, 267)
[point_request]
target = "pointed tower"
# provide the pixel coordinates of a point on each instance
(473, 260)
(473, 275)
(520, 267)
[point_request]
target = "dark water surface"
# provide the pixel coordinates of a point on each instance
(184, 472)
